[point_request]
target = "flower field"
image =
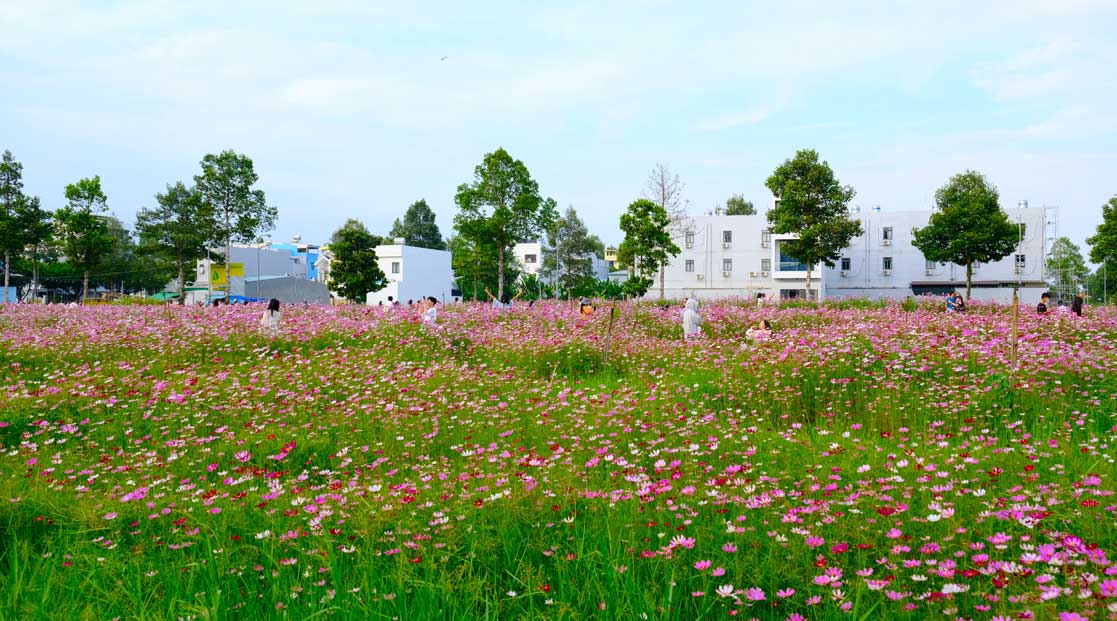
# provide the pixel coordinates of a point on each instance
(868, 462)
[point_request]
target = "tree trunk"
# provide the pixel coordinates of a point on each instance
(228, 260)
(662, 271)
(7, 271)
(181, 283)
(500, 274)
(84, 286)
(35, 273)
(969, 279)
(808, 282)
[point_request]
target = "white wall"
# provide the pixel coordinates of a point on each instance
(865, 278)
(746, 252)
(422, 272)
(521, 252)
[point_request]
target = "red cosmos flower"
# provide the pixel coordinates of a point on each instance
(886, 510)
(546, 588)
(417, 560)
(478, 503)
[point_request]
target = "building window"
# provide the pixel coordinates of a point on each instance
(789, 263)
(765, 265)
(887, 233)
(1021, 261)
(690, 238)
(395, 267)
(727, 237)
(765, 237)
(727, 265)
(690, 265)
(929, 264)
(886, 263)
(845, 264)
(530, 258)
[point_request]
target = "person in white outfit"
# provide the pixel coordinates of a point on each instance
(430, 316)
(692, 321)
(270, 320)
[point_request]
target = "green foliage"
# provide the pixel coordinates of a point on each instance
(81, 230)
(736, 205)
(176, 231)
(355, 272)
(11, 199)
(239, 212)
(533, 287)
(969, 226)
(501, 207)
(475, 267)
(568, 260)
(647, 244)
(1065, 266)
(811, 204)
(1103, 247)
(418, 227)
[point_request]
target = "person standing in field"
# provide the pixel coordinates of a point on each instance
(430, 315)
(950, 302)
(269, 322)
(1041, 308)
(692, 321)
(1076, 305)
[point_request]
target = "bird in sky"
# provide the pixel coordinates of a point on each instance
(443, 58)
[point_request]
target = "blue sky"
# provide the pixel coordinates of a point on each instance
(349, 111)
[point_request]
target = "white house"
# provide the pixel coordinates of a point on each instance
(736, 256)
(413, 273)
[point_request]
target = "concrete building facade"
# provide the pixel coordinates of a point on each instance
(413, 273)
(737, 256)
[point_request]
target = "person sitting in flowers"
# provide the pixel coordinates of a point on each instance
(761, 332)
(585, 307)
(692, 321)
(269, 322)
(504, 301)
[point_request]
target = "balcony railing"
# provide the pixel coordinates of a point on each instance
(792, 266)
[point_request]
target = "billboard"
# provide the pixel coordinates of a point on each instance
(217, 273)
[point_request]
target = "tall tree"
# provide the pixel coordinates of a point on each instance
(82, 230)
(177, 230)
(38, 230)
(968, 225)
(1103, 245)
(812, 205)
(647, 245)
(418, 227)
(664, 188)
(568, 259)
(736, 205)
(240, 212)
(355, 271)
(474, 266)
(501, 207)
(597, 245)
(1065, 266)
(11, 203)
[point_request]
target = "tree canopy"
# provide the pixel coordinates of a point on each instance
(1103, 245)
(814, 206)
(239, 211)
(418, 227)
(499, 208)
(736, 205)
(568, 260)
(81, 228)
(177, 230)
(355, 270)
(647, 245)
(968, 225)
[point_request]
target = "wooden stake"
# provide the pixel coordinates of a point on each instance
(609, 334)
(1015, 325)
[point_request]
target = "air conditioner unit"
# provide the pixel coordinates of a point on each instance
(754, 274)
(699, 276)
(725, 274)
(763, 273)
(725, 245)
(764, 244)
(929, 272)
(1018, 270)
(843, 273)
(886, 272)
(886, 242)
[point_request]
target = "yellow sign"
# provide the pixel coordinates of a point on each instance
(217, 273)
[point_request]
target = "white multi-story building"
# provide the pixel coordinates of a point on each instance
(413, 273)
(737, 256)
